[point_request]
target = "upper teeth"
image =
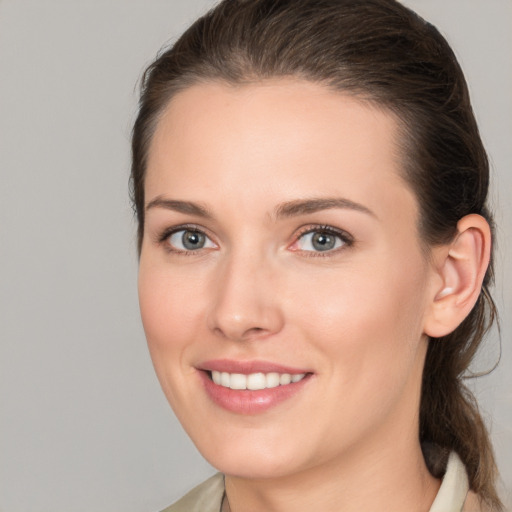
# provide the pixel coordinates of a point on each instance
(254, 381)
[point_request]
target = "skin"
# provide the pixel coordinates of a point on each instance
(356, 317)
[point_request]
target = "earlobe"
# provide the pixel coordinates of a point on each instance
(460, 268)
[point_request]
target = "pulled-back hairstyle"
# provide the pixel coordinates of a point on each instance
(385, 54)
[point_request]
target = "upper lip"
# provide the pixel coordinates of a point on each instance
(248, 367)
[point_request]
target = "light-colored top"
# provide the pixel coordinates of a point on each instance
(453, 494)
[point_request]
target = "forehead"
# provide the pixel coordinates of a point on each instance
(276, 138)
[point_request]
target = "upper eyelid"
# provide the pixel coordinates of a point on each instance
(327, 228)
(162, 240)
(164, 234)
(347, 239)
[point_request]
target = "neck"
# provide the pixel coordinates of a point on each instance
(390, 479)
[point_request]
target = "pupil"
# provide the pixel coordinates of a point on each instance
(323, 241)
(193, 240)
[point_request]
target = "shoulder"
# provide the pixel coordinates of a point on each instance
(206, 497)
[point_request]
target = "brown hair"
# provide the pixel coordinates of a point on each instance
(383, 53)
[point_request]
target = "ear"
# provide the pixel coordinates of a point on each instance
(457, 275)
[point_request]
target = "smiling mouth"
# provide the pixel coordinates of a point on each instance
(251, 387)
(254, 381)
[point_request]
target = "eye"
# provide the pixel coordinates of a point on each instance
(321, 240)
(186, 240)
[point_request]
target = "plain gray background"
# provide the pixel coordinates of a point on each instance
(83, 423)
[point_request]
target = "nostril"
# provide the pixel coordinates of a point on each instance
(244, 318)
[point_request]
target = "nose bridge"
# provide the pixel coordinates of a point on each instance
(244, 304)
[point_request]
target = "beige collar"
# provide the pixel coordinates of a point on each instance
(454, 488)
(452, 493)
(451, 497)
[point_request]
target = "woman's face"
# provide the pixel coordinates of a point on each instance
(281, 254)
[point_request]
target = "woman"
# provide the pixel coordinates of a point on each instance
(315, 255)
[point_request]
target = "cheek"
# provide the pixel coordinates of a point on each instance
(369, 332)
(368, 319)
(169, 311)
(358, 298)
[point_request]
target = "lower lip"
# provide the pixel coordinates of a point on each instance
(250, 402)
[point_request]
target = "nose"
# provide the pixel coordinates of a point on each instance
(245, 303)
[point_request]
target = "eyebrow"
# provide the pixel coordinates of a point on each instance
(187, 207)
(305, 206)
(288, 209)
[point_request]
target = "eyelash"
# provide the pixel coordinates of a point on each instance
(163, 238)
(345, 237)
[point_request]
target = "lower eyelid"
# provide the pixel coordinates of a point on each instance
(338, 244)
(163, 238)
(345, 238)
(208, 243)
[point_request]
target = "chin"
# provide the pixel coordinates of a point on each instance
(250, 467)
(251, 456)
